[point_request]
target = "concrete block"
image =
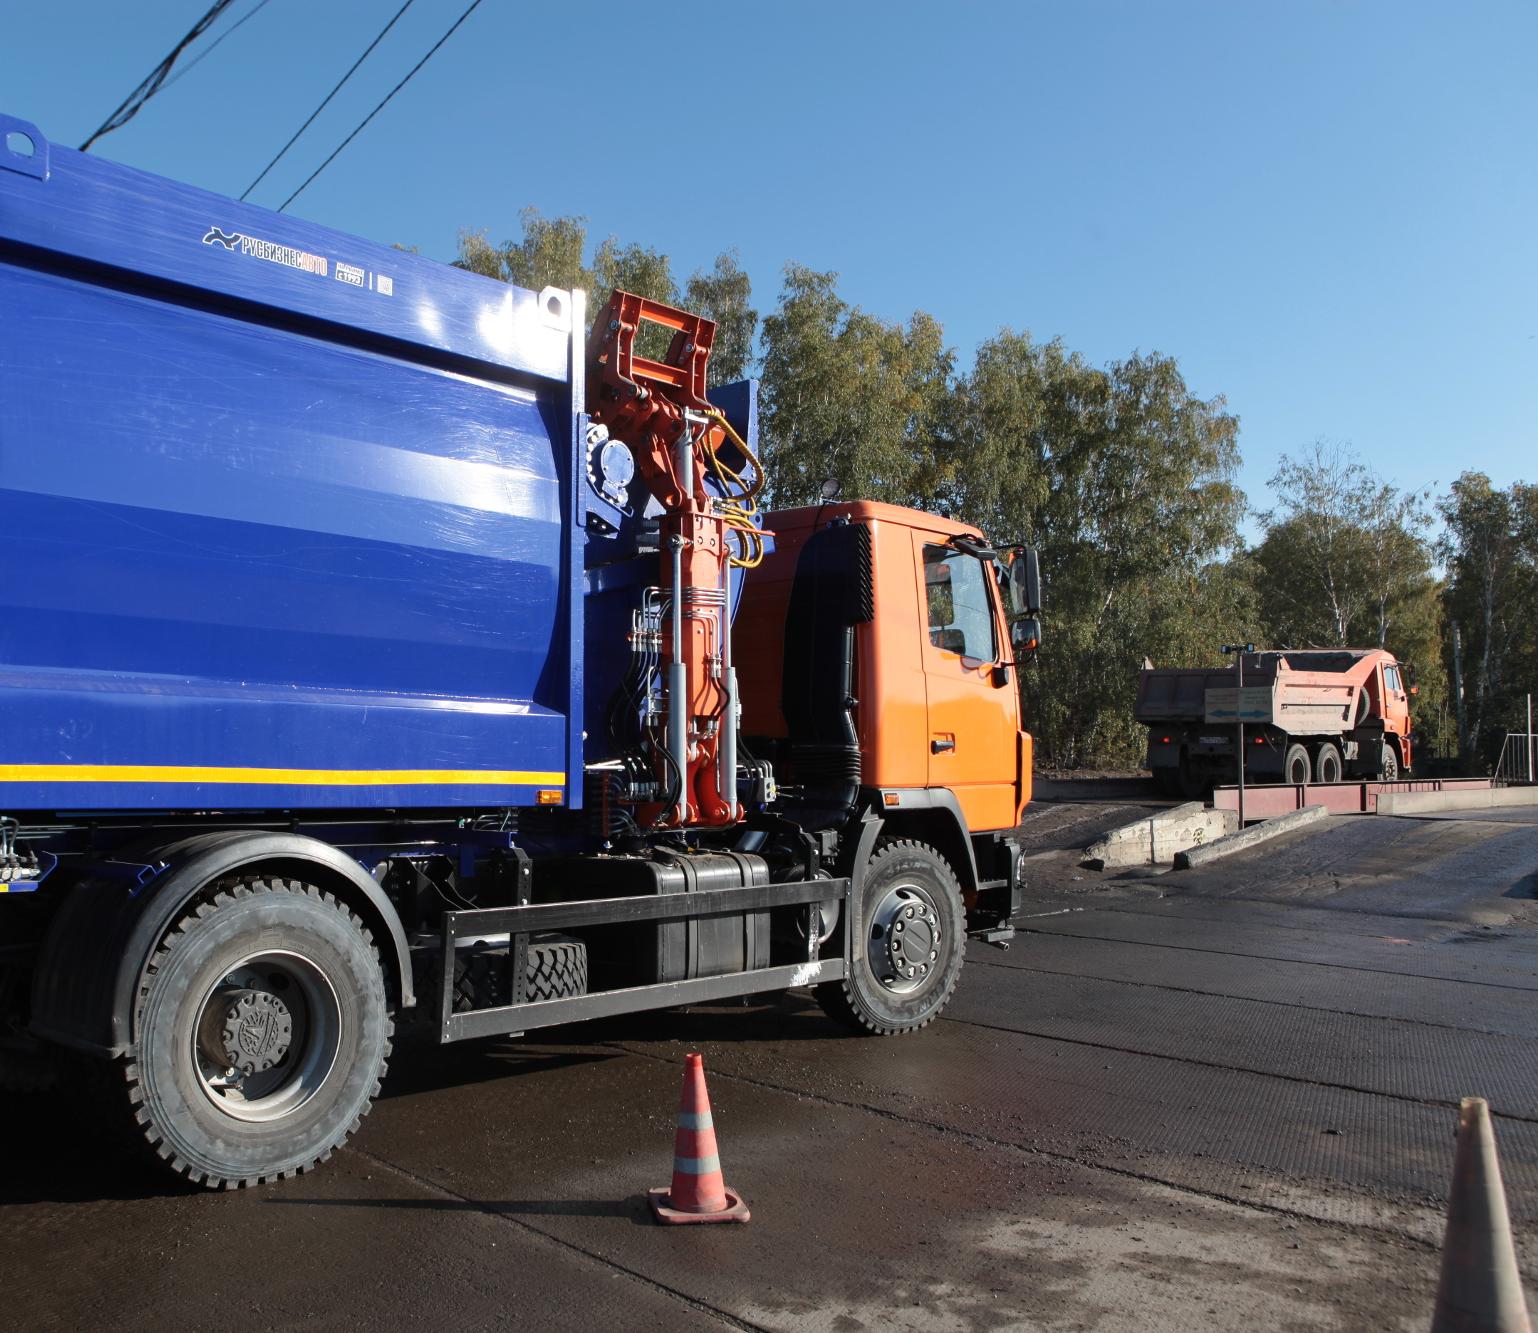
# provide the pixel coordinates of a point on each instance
(1157, 839)
(1249, 837)
(1431, 802)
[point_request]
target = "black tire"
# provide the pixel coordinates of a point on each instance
(1327, 764)
(901, 877)
(319, 961)
(557, 967)
(1390, 768)
(27, 1070)
(1296, 769)
(1192, 784)
(1167, 781)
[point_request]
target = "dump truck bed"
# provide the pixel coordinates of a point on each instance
(1299, 700)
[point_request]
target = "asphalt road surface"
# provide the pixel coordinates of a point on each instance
(1213, 1099)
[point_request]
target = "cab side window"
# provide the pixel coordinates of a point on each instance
(960, 613)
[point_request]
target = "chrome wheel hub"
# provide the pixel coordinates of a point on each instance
(905, 939)
(267, 1036)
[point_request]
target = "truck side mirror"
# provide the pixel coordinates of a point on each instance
(1025, 634)
(1024, 600)
(1024, 583)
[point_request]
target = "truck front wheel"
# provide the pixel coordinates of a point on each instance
(908, 943)
(263, 1031)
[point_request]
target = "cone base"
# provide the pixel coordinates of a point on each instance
(660, 1200)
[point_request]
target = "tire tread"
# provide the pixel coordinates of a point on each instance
(838, 998)
(120, 1080)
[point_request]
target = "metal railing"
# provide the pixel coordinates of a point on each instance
(1515, 766)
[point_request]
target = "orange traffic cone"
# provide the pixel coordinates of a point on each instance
(698, 1193)
(1479, 1288)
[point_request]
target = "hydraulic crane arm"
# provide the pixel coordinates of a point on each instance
(660, 410)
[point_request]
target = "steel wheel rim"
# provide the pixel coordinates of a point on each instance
(302, 991)
(904, 938)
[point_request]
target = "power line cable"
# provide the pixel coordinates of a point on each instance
(474, 5)
(214, 45)
(326, 100)
(130, 106)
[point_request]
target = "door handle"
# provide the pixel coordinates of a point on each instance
(942, 746)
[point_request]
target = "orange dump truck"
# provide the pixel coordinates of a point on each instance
(1320, 715)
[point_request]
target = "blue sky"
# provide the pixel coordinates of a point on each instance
(1327, 211)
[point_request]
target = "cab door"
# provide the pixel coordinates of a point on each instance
(1396, 707)
(973, 705)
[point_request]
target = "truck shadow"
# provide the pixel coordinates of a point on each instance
(634, 1208)
(55, 1155)
(421, 1066)
(790, 1016)
(59, 1154)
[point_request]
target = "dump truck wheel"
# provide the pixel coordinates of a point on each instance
(1295, 766)
(1390, 767)
(263, 1033)
(908, 943)
(1327, 764)
(1192, 784)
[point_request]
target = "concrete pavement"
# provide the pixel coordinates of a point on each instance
(1222, 1098)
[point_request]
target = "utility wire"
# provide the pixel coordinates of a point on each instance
(474, 5)
(325, 101)
(130, 106)
(213, 45)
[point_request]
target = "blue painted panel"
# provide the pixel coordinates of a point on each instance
(236, 539)
(151, 228)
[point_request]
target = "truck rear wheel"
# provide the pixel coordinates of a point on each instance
(908, 943)
(1295, 766)
(263, 1032)
(1327, 764)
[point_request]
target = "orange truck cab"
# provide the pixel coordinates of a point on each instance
(878, 668)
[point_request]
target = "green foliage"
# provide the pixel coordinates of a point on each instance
(1490, 546)
(726, 295)
(550, 251)
(1345, 552)
(850, 397)
(1124, 480)
(548, 254)
(1346, 562)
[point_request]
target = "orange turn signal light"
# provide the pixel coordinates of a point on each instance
(548, 796)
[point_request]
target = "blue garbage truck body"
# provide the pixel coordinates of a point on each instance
(295, 508)
(338, 675)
